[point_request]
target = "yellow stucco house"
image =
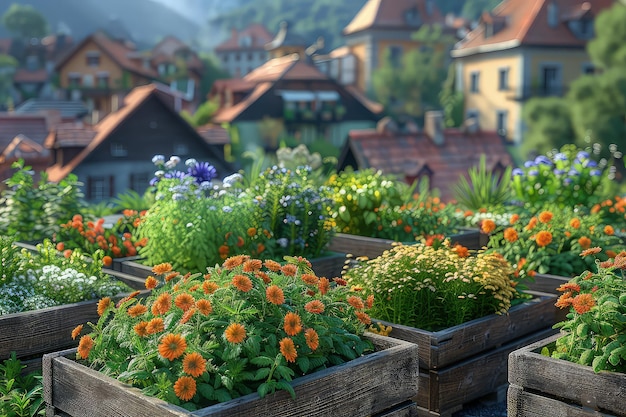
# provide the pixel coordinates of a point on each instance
(523, 49)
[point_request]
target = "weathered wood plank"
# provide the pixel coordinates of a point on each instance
(521, 403)
(449, 346)
(362, 387)
(571, 382)
(547, 283)
(408, 409)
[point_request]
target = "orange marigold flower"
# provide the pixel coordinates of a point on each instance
(323, 285)
(564, 301)
(487, 226)
(162, 304)
(103, 304)
(288, 349)
(223, 251)
(188, 315)
(272, 265)
(194, 364)
(543, 238)
(461, 251)
(60, 246)
(569, 287)
(289, 270)
(531, 224)
(67, 253)
(356, 302)
(128, 297)
(172, 346)
(161, 269)
(84, 346)
(575, 223)
(315, 307)
(209, 287)
(545, 216)
(242, 283)
(309, 279)
(340, 281)
(151, 282)
(266, 278)
(185, 388)
(514, 218)
(171, 276)
(312, 339)
(251, 231)
(292, 324)
(141, 328)
(610, 253)
(582, 303)
(234, 261)
(607, 264)
(370, 301)
(510, 234)
(608, 230)
(590, 251)
(275, 295)
(184, 301)
(252, 265)
(77, 331)
(155, 325)
(137, 310)
(532, 273)
(204, 307)
(235, 333)
(363, 317)
(584, 242)
(107, 260)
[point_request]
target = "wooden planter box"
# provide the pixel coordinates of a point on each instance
(543, 386)
(30, 334)
(469, 361)
(547, 283)
(378, 384)
(373, 247)
(327, 266)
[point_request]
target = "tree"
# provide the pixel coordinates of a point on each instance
(212, 72)
(25, 21)
(203, 113)
(8, 64)
(411, 86)
(608, 49)
(451, 100)
(550, 125)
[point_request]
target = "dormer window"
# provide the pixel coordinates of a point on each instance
(93, 58)
(412, 17)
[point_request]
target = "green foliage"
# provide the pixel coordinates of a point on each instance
(25, 21)
(30, 210)
(451, 101)
(20, 395)
(212, 72)
(434, 288)
(203, 113)
(484, 189)
(594, 333)
(100, 209)
(9, 259)
(608, 48)
(472, 9)
(130, 200)
(549, 125)
(248, 325)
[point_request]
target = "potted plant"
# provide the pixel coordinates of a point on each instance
(462, 310)
(226, 342)
(590, 350)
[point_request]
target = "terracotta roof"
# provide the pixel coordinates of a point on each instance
(289, 67)
(374, 107)
(391, 14)
(259, 36)
(119, 52)
(214, 134)
(228, 114)
(23, 75)
(406, 155)
(525, 22)
(23, 147)
(33, 126)
(232, 84)
(70, 135)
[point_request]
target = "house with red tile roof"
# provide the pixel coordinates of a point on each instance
(380, 27)
(519, 50)
(442, 155)
(115, 154)
(290, 97)
(244, 50)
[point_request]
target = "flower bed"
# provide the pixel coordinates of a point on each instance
(544, 386)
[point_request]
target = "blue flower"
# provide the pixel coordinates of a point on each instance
(533, 172)
(590, 163)
(582, 155)
(529, 164)
(560, 157)
(517, 172)
(175, 174)
(558, 172)
(573, 173)
(595, 172)
(202, 171)
(543, 160)
(567, 181)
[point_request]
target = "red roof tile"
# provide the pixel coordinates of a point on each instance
(23, 75)
(257, 33)
(391, 14)
(33, 126)
(214, 134)
(525, 22)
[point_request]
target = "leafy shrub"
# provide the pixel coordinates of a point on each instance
(20, 395)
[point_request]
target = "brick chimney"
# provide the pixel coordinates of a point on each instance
(433, 126)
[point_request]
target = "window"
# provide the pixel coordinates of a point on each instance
(588, 69)
(118, 149)
(100, 187)
(103, 80)
(73, 80)
(395, 55)
(551, 84)
(501, 120)
(503, 79)
(88, 80)
(93, 58)
(474, 79)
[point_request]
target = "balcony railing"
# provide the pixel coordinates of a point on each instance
(531, 92)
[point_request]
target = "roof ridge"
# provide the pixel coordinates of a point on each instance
(524, 29)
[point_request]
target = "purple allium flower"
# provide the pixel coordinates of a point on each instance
(202, 171)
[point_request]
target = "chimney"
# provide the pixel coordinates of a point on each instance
(433, 126)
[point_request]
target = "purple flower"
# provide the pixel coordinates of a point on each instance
(582, 155)
(560, 157)
(533, 172)
(558, 172)
(202, 172)
(595, 172)
(175, 174)
(517, 172)
(573, 173)
(543, 160)
(529, 164)
(590, 163)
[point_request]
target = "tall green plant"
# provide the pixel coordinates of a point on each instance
(484, 189)
(20, 395)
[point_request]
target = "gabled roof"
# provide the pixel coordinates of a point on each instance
(256, 33)
(33, 126)
(407, 155)
(289, 67)
(121, 53)
(392, 14)
(526, 22)
(112, 122)
(23, 147)
(74, 134)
